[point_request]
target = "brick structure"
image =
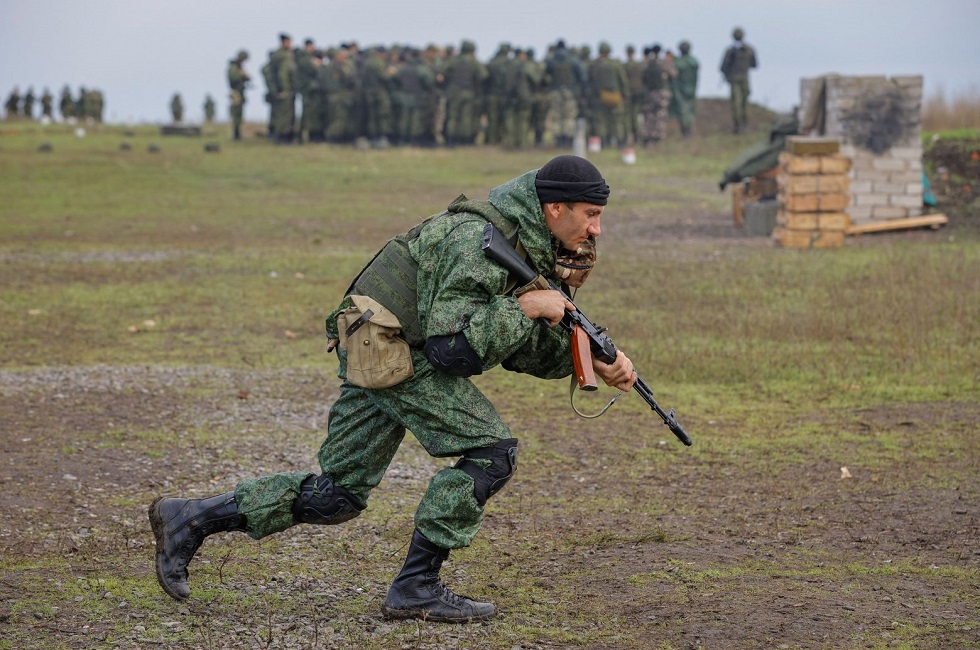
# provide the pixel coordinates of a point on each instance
(878, 122)
(813, 193)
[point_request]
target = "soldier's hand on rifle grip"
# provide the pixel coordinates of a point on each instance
(548, 304)
(619, 374)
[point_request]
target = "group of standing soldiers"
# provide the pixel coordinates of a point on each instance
(89, 105)
(440, 96)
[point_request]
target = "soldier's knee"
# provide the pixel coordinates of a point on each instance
(321, 501)
(488, 481)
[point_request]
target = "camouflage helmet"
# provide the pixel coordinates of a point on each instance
(467, 47)
(738, 33)
(242, 55)
(684, 47)
(604, 48)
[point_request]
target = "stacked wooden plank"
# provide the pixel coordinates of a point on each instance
(814, 194)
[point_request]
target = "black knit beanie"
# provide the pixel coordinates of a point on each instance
(570, 179)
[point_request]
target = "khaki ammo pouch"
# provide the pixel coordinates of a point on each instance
(377, 356)
(612, 98)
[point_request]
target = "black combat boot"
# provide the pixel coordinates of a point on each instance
(418, 592)
(180, 526)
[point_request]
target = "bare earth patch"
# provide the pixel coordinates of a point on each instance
(731, 554)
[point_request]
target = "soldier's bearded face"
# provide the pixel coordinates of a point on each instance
(573, 223)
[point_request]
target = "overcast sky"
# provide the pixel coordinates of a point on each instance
(140, 52)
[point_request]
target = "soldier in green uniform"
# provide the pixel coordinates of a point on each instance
(464, 81)
(739, 58)
(308, 62)
(81, 103)
(656, 85)
(411, 93)
(47, 104)
(564, 78)
(434, 112)
(520, 77)
(610, 90)
(238, 81)
(282, 64)
(496, 94)
(338, 80)
(12, 105)
(684, 89)
(176, 108)
(66, 104)
(376, 77)
(98, 105)
(634, 75)
(540, 104)
(28, 104)
(456, 316)
(208, 108)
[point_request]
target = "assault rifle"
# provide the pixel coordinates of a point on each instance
(587, 338)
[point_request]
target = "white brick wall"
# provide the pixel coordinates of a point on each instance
(888, 184)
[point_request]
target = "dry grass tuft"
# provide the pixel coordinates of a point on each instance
(960, 111)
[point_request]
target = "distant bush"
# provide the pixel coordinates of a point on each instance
(962, 111)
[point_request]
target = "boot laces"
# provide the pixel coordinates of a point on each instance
(450, 597)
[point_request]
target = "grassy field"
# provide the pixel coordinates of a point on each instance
(162, 322)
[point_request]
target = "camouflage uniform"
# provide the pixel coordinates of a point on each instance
(284, 72)
(66, 104)
(496, 95)
(338, 80)
(376, 97)
(684, 89)
(610, 89)
(237, 82)
(656, 84)
(459, 290)
(47, 104)
(411, 96)
(634, 74)
(540, 102)
(308, 84)
(564, 78)
(464, 79)
(176, 108)
(520, 77)
(28, 105)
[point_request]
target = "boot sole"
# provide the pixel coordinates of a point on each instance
(156, 524)
(421, 614)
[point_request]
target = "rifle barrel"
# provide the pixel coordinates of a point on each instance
(668, 417)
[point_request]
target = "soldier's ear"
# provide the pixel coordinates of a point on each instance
(552, 210)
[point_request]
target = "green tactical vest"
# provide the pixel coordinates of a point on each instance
(391, 277)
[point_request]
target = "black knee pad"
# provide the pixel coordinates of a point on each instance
(320, 501)
(487, 482)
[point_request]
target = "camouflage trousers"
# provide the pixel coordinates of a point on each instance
(654, 125)
(448, 415)
(564, 111)
(739, 103)
(462, 117)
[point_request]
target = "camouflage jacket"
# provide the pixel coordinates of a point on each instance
(461, 290)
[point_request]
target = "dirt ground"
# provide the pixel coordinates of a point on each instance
(789, 548)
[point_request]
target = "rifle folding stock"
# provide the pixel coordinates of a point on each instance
(587, 338)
